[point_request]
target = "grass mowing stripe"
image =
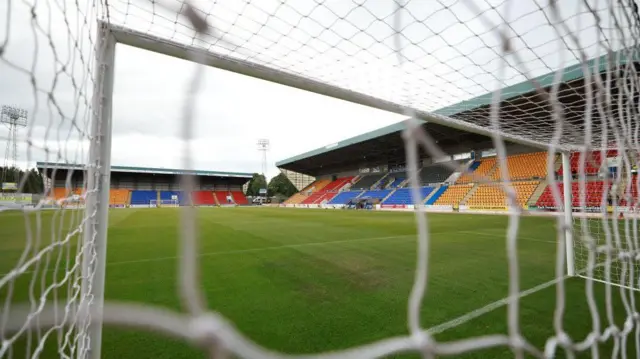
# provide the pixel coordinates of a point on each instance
(260, 249)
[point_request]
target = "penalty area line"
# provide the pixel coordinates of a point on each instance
(495, 305)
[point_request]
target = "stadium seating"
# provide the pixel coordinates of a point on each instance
(328, 191)
(59, 192)
(239, 197)
(436, 195)
(633, 192)
(367, 181)
(394, 180)
(453, 195)
(344, 197)
(592, 163)
(118, 196)
(377, 193)
(143, 196)
(525, 166)
(481, 168)
(221, 196)
(493, 195)
(203, 198)
(170, 195)
(437, 173)
(403, 196)
(593, 198)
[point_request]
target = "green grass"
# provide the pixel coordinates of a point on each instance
(303, 281)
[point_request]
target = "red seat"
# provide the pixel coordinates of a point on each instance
(328, 191)
(203, 198)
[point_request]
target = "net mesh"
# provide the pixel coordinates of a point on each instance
(47, 55)
(435, 62)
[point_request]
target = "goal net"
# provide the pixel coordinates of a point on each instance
(432, 61)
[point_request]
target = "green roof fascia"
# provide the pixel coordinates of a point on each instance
(570, 73)
(398, 126)
(154, 170)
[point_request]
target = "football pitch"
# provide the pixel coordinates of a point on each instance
(305, 281)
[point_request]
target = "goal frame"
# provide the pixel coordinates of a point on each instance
(99, 166)
(158, 203)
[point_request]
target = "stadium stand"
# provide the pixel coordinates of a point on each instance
(367, 181)
(239, 197)
(59, 192)
(403, 196)
(394, 180)
(170, 195)
(452, 195)
(436, 173)
(328, 191)
(436, 195)
(525, 166)
(377, 193)
(344, 197)
(143, 197)
(479, 168)
(632, 197)
(119, 197)
(592, 164)
(593, 194)
(492, 195)
(204, 198)
(221, 196)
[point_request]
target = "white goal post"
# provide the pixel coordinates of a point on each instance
(394, 66)
(164, 203)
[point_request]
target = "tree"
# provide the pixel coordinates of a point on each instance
(33, 183)
(280, 185)
(255, 184)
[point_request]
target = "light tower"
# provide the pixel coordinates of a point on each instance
(13, 117)
(263, 146)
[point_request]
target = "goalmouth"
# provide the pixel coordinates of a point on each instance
(397, 72)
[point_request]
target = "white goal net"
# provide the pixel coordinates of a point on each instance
(432, 61)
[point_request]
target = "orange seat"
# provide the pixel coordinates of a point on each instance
(119, 196)
(524, 166)
(493, 195)
(483, 170)
(453, 195)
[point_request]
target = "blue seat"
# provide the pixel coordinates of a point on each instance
(379, 193)
(143, 197)
(403, 196)
(344, 197)
(169, 195)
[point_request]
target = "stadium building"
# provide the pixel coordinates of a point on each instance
(369, 170)
(149, 187)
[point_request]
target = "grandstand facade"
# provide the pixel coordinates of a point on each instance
(149, 187)
(370, 168)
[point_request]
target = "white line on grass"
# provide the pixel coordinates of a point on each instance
(488, 308)
(495, 305)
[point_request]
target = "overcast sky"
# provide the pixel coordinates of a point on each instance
(452, 55)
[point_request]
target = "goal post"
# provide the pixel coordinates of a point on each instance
(568, 211)
(97, 194)
(164, 203)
